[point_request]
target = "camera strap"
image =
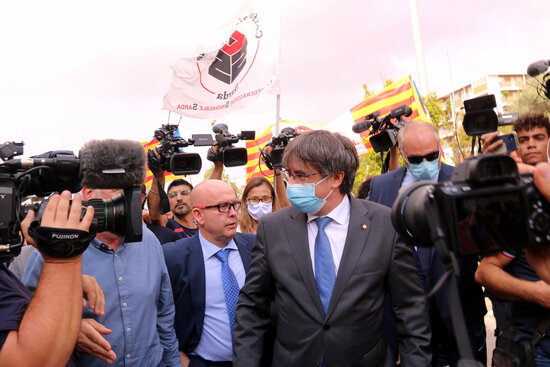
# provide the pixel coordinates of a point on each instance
(60, 243)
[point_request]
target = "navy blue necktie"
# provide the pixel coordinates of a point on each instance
(325, 273)
(230, 286)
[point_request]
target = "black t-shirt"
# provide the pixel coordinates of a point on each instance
(181, 231)
(526, 315)
(163, 234)
(14, 299)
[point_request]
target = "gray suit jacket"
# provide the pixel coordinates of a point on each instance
(375, 261)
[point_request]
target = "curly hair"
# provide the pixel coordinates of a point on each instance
(530, 121)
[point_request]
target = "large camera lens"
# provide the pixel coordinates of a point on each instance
(233, 157)
(185, 163)
(409, 213)
(120, 214)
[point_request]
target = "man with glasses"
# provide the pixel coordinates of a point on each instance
(206, 272)
(179, 197)
(327, 261)
(419, 145)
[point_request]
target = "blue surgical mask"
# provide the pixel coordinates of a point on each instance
(302, 197)
(425, 170)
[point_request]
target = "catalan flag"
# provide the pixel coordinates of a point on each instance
(401, 92)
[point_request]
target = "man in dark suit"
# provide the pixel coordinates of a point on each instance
(206, 282)
(328, 261)
(420, 149)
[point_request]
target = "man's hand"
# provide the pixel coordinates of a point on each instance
(55, 215)
(90, 341)
(184, 359)
(489, 143)
(93, 293)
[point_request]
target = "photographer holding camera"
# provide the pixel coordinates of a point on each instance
(41, 330)
(508, 275)
(138, 325)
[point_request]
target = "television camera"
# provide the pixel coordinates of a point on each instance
(278, 144)
(383, 135)
(42, 175)
(231, 156)
(170, 157)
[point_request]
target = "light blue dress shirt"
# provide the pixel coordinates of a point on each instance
(216, 342)
(139, 306)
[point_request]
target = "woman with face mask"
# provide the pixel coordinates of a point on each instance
(258, 200)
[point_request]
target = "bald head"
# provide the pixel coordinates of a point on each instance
(418, 133)
(207, 191)
(216, 227)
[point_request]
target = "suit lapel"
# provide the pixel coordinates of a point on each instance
(356, 239)
(296, 231)
(246, 256)
(197, 280)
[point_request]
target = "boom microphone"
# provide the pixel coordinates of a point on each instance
(538, 67)
(112, 164)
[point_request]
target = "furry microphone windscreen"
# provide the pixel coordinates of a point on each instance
(112, 164)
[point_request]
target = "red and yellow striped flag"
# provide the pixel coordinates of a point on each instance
(255, 166)
(401, 92)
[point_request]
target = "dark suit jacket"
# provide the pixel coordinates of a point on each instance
(384, 190)
(375, 261)
(185, 265)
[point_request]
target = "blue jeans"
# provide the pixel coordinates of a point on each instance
(542, 359)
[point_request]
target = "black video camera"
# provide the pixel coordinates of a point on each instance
(273, 160)
(54, 172)
(171, 158)
(486, 207)
(480, 117)
(384, 133)
(232, 156)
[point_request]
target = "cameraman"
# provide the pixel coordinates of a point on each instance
(179, 197)
(42, 330)
(508, 275)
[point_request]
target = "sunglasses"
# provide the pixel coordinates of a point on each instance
(417, 159)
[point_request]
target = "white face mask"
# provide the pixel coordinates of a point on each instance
(257, 211)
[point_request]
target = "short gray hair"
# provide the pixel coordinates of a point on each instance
(327, 152)
(416, 124)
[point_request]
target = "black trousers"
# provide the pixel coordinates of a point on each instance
(196, 361)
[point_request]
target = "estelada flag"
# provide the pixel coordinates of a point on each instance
(401, 92)
(243, 65)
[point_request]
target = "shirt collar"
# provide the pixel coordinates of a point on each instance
(338, 214)
(209, 249)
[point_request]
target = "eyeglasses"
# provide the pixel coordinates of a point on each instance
(223, 207)
(174, 194)
(265, 200)
(417, 159)
(297, 177)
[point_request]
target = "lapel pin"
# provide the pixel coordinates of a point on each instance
(364, 226)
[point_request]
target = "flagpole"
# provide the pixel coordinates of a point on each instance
(278, 114)
(418, 50)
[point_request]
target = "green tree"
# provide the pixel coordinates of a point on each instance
(529, 100)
